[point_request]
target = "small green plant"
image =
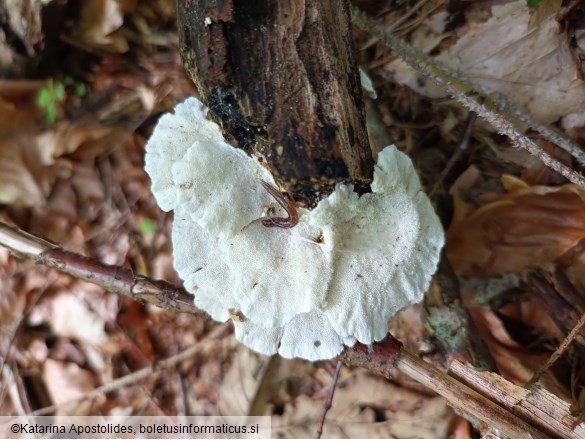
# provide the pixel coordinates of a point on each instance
(146, 225)
(54, 92)
(79, 88)
(48, 97)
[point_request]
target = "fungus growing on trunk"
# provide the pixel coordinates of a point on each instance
(324, 277)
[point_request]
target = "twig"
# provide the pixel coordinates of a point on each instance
(558, 352)
(394, 26)
(329, 402)
(485, 396)
(215, 334)
(463, 145)
(566, 10)
(115, 279)
(537, 407)
(459, 86)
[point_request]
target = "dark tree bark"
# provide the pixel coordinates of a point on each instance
(282, 79)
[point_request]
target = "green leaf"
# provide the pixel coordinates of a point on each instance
(146, 225)
(59, 91)
(80, 89)
(43, 98)
(51, 113)
(533, 3)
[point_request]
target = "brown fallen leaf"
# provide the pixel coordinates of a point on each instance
(528, 226)
(514, 362)
(460, 429)
(18, 110)
(366, 406)
(98, 23)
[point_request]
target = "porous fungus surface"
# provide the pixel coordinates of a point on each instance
(336, 277)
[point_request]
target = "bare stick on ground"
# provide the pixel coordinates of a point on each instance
(329, 402)
(558, 353)
(215, 334)
(114, 279)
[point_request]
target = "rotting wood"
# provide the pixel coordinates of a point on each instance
(535, 406)
(381, 358)
(560, 296)
(282, 79)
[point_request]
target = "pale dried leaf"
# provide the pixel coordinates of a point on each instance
(528, 61)
(357, 403)
(69, 315)
(241, 382)
(99, 19)
(66, 382)
(18, 179)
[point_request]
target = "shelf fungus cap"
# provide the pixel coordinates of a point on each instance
(337, 276)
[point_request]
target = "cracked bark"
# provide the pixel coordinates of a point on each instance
(281, 78)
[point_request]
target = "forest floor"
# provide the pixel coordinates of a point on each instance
(83, 84)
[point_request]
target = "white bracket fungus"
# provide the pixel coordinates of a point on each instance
(337, 276)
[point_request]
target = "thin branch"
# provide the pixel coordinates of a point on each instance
(154, 370)
(558, 294)
(118, 280)
(460, 86)
(329, 402)
(512, 410)
(536, 406)
(394, 26)
(463, 145)
(558, 353)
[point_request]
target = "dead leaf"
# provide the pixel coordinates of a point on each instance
(576, 272)
(66, 382)
(360, 400)
(31, 163)
(528, 61)
(241, 383)
(20, 36)
(23, 178)
(367, 406)
(135, 321)
(461, 429)
(71, 318)
(529, 226)
(18, 110)
(12, 299)
(514, 362)
(97, 24)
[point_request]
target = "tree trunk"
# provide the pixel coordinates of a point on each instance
(281, 78)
